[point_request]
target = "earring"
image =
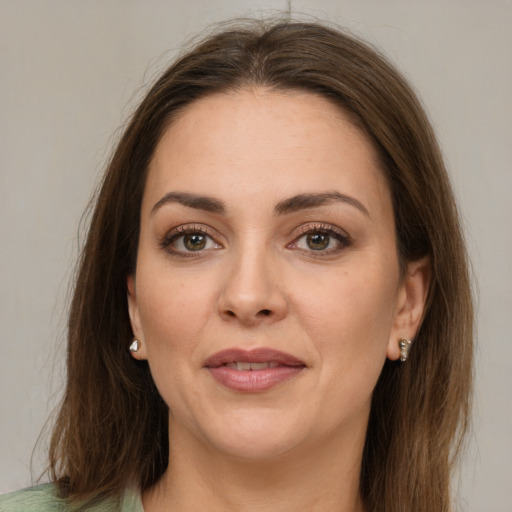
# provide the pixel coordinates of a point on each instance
(405, 346)
(134, 347)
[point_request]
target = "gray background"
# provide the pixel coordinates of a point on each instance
(70, 73)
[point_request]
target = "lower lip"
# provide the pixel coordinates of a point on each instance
(254, 381)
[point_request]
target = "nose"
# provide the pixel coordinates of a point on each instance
(252, 293)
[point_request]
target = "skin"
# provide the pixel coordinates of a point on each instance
(256, 283)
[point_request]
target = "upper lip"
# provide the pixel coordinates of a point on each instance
(258, 355)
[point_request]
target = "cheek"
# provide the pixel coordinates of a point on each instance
(173, 313)
(349, 301)
(349, 319)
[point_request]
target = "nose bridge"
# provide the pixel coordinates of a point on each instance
(251, 290)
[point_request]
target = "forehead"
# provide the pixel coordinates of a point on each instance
(262, 143)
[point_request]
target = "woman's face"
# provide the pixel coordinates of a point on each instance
(267, 293)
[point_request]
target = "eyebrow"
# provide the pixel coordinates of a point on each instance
(197, 202)
(305, 201)
(290, 205)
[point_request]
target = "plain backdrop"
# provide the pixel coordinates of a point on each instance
(71, 71)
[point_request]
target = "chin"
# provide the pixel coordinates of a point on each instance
(255, 436)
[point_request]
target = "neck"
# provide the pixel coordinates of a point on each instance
(322, 478)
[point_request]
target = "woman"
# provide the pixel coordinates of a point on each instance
(272, 309)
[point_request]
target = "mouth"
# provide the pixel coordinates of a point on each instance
(241, 365)
(253, 370)
(239, 359)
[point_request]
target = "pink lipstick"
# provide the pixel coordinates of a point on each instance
(253, 370)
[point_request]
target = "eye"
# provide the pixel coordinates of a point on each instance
(185, 240)
(317, 241)
(192, 242)
(323, 240)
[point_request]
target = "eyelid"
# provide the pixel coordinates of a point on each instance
(175, 233)
(314, 227)
(321, 227)
(311, 227)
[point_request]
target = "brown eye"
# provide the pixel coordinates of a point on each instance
(318, 241)
(194, 241)
(184, 241)
(324, 240)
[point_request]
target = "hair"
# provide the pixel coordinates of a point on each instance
(112, 427)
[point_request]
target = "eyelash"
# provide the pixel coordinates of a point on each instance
(180, 232)
(343, 240)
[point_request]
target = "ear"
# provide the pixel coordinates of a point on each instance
(133, 311)
(410, 305)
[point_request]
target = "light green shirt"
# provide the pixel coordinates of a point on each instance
(43, 498)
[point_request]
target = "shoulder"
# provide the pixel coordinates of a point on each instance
(38, 498)
(44, 498)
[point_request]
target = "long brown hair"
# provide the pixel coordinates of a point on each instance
(113, 426)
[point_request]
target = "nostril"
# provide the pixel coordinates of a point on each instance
(265, 312)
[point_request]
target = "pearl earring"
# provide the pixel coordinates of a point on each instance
(134, 347)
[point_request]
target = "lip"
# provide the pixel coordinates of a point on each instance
(253, 381)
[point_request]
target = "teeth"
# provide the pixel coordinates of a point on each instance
(262, 366)
(242, 365)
